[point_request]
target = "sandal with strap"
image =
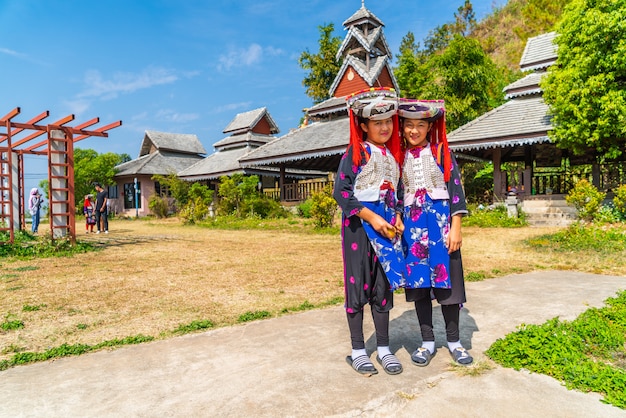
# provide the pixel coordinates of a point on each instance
(422, 357)
(390, 363)
(461, 356)
(362, 365)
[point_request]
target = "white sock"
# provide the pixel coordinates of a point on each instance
(454, 345)
(358, 353)
(383, 351)
(429, 345)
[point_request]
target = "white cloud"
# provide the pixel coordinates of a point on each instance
(172, 116)
(97, 86)
(233, 106)
(78, 106)
(245, 57)
(21, 56)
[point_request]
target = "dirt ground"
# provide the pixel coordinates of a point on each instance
(153, 276)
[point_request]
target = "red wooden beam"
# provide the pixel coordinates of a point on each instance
(60, 122)
(99, 131)
(13, 113)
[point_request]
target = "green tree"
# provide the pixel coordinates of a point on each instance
(586, 88)
(178, 187)
(197, 206)
(466, 78)
(408, 71)
(322, 67)
(91, 167)
(234, 190)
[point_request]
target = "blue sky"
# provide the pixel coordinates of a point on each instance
(184, 66)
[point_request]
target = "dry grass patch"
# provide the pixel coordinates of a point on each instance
(150, 277)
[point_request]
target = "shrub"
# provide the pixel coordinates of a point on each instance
(586, 198)
(262, 207)
(493, 217)
(158, 206)
(607, 214)
(323, 207)
(304, 209)
(234, 191)
(197, 207)
(619, 201)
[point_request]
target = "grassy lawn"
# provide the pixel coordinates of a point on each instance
(152, 279)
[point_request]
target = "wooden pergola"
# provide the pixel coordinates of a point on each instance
(19, 138)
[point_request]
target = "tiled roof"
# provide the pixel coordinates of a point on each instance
(540, 52)
(184, 143)
(247, 121)
(362, 15)
(332, 105)
(225, 163)
(370, 76)
(249, 138)
(159, 162)
(519, 121)
(374, 43)
(318, 139)
(221, 163)
(525, 85)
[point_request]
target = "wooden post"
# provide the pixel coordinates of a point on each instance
(497, 174)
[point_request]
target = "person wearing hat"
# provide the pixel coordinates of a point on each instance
(434, 203)
(34, 207)
(365, 188)
(89, 210)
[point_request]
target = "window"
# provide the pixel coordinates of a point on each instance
(113, 193)
(162, 190)
(129, 195)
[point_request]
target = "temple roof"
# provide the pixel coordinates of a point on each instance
(520, 121)
(317, 146)
(249, 138)
(374, 43)
(164, 141)
(362, 16)
(540, 52)
(524, 86)
(246, 121)
(158, 162)
(220, 163)
(376, 66)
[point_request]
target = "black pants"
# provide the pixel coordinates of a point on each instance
(451, 314)
(381, 324)
(105, 220)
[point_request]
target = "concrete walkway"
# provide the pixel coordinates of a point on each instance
(294, 366)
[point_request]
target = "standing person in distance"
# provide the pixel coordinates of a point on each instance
(102, 220)
(34, 206)
(434, 204)
(89, 209)
(365, 189)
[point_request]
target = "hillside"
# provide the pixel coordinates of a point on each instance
(503, 33)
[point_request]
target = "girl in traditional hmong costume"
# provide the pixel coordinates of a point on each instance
(434, 203)
(365, 189)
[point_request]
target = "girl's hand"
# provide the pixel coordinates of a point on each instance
(399, 224)
(454, 240)
(379, 224)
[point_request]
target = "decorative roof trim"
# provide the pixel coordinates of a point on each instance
(500, 144)
(539, 66)
(523, 93)
(362, 15)
(368, 42)
(295, 157)
(359, 66)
